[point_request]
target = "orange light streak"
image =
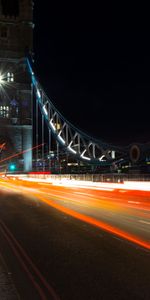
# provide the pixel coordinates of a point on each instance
(90, 220)
(95, 222)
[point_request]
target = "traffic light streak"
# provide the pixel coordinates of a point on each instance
(22, 152)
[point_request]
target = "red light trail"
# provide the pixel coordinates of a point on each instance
(22, 152)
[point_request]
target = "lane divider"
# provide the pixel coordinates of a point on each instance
(28, 266)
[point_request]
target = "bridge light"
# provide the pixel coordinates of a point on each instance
(52, 125)
(1, 79)
(72, 150)
(85, 157)
(45, 111)
(102, 158)
(38, 93)
(61, 139)
(113, 154)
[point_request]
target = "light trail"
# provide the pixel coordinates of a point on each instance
(19, 153)
(96, 223)
(96, 207)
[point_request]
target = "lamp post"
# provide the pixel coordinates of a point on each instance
(1, 79)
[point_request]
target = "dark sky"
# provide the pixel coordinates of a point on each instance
(96, 74)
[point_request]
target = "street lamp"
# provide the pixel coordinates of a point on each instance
(1, 78)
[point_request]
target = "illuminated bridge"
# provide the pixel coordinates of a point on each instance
(75, 142)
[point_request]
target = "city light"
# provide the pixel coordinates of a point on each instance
(61, 139)
(84, 157)
(6, 80)
(38, 93)
(45, 111)
(1, 79)
(22, 152)
(12, 167)
(52, 125)
(72, 150)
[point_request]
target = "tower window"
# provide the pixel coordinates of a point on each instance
(10, 77)
(4, 111)
(10, 7)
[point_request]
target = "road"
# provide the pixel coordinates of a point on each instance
(75, 243)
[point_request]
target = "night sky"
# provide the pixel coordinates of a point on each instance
(96, 75)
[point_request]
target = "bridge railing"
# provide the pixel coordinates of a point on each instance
(110, 177)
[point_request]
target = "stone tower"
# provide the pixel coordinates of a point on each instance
(16, 38)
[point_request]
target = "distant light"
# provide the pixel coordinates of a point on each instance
(12, 167)
(10, 77)
(52, 125)
(61, 139)
(72, 150)
(38, 93)
(45, 110)
(1, 79)
(113, 154)
(85, 157)
(101, 158)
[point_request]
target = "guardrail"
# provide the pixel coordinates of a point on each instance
(110, 177)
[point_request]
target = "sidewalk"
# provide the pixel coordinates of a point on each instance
(7, 288)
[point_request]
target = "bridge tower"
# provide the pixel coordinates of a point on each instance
(16, 40)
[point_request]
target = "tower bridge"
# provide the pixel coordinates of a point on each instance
(28, 116)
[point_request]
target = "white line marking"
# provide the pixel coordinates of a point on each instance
(135, 202)
(145, 222)
(82, 194)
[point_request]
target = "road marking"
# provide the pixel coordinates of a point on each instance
(28, 266)
(135, 202)
(82, 194)
(144, 222)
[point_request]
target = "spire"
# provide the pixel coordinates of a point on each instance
(16, 27)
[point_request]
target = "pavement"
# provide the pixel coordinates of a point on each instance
(7, 287)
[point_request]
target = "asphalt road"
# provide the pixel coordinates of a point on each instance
(53, 254)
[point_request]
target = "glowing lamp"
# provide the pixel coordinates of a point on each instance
(1, 79)
(12, 167)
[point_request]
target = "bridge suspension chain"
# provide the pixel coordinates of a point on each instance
(74, 141)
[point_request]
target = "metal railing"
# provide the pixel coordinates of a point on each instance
(110, 177)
